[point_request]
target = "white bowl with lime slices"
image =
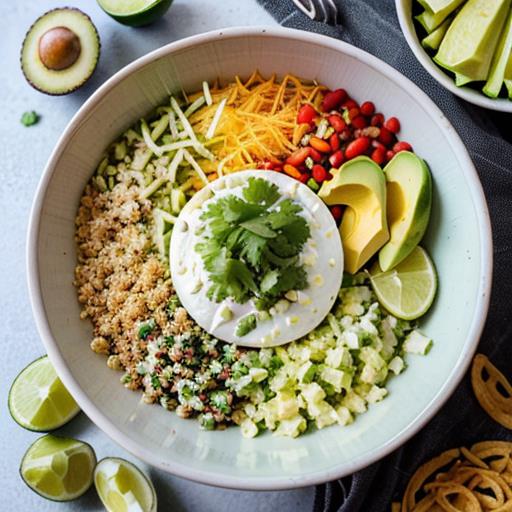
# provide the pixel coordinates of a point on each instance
(404, 10)
(459, 240)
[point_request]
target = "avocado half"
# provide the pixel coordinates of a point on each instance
(60, 51)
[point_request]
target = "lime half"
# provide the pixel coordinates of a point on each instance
(135, 13)
(408, 290)
(38, 400)
(122, 487)
(58, 468)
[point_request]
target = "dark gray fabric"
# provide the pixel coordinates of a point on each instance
(373, 26)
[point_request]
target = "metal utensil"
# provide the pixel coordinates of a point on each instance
(325, 11)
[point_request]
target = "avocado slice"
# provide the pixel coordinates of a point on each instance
(359, 184)
(431, 19)
(434, 39)
(508, 76)
(500, 60)
(409, 188)
(60, 51)
(469, 44)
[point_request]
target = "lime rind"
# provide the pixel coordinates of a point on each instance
(135, 13)
(398, 289)
(58, 468)
(123, 486)
(38, 389)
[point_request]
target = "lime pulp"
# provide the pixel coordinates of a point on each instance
(57, 468)
(135, 13)
(38, 400)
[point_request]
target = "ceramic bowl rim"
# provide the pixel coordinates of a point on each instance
(260, 483)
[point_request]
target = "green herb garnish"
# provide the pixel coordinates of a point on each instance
(146, 329)
(29, 118)
(252, 247)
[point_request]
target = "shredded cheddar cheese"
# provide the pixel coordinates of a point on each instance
(257, 121)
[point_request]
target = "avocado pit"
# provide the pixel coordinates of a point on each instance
(59, 48)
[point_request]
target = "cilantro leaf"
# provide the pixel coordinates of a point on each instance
(29, 118)
(260, 191)
(251, 245)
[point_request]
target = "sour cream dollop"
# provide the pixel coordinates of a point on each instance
(294, 316)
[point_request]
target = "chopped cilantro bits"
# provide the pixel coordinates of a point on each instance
(252, 248)
(146, 329)
(245, 325)
(30, 118)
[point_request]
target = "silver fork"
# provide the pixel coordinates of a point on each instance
(325, 11)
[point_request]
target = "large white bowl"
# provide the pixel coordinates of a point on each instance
(404, 11)
(459, 241)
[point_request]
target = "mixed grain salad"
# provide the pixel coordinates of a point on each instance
(124, 226)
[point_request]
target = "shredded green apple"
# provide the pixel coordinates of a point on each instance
(252, 245)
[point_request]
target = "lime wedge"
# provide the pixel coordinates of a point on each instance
(38, 400)
(122, 487)
(408, 290)
(58, 468)
(135, 13)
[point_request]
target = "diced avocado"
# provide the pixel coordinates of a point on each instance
(431, 19)
(500, 60)
(433, 40)
(508, 76)
(469, 44)
(60, 51)
(361, 185)
(409, 188)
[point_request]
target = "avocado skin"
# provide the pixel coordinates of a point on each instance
(395, 251)
(144, 18)
(98, 52)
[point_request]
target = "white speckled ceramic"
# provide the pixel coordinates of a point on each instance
(404, 11)
(459, 240)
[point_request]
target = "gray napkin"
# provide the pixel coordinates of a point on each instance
(373, 26)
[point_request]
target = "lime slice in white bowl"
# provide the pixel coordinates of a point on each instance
(57, 468)
(38, 400)
(122, 487)
(408, 290)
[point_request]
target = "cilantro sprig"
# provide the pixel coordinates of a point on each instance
(251, 249)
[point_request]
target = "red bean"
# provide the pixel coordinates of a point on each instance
(385, 136)
(337, 123)
(402, 146)
(337, 212)
(319, 173)
(353, 113)
(333, 99)
(334, 142)
(379, 155)
(359, 122)
(350, 103)
(306, 114)
(304, 178)
(389, 155)
(315, 155)
(393, 125)
(357, 147)
(367, 108)
(377, 120)
(346, 135)
(298, 157)
(337, 158)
